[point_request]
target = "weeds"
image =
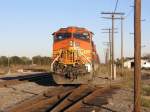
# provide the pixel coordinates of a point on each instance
(146, 90)
(145, 102)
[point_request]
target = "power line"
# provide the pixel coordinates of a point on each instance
(128, 15)
(116, 6)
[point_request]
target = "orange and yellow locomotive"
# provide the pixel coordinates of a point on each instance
(74, 55)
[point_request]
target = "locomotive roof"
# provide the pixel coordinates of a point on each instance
(72, 29)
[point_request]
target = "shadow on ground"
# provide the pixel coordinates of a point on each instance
(44, 79)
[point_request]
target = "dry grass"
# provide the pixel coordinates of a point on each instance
(146, 90)
(145, 102)
(42, 68)
(127, 75)
(145, 95)
(3, 70)
(14, 69)
(128, 83)
(103, 69)
(126, 72)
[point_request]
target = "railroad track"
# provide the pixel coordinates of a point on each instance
(61, 98)
(8, 81)
(66, 98)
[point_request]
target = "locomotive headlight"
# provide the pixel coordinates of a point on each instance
(71, 43)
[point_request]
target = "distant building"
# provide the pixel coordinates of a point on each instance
(130, 64)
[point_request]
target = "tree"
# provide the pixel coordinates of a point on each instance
(118, 62)
(38, 60)
(26, 60)
(15, 60)
(45, 60)
(146, 56)
(3, 61)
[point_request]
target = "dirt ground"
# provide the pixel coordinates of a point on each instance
(120, 101)
(12, 95)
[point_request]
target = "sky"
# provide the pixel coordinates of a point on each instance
(26, 25)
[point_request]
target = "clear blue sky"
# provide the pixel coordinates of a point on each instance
(26, 25)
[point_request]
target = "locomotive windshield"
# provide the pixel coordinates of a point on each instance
(83, 36)
(61, 36)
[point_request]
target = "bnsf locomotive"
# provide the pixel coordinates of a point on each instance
(74, 56)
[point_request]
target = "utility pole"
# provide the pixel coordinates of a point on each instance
(107, 60)
(110, 50)
(8, 64)
(137, 55)
(106, 56)
(122, 46)
(110, 45)
(113, 14)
